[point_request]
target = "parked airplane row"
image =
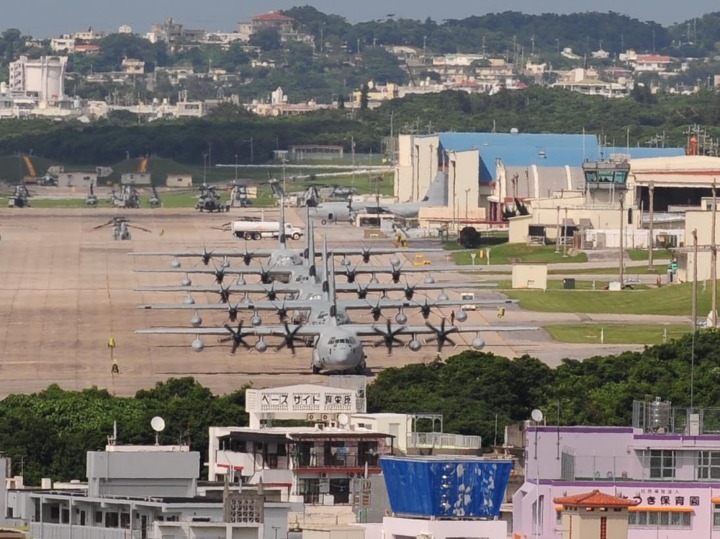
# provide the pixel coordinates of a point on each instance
(310, 310)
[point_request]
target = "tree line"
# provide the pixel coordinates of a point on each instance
(47, 434)
(224, 133)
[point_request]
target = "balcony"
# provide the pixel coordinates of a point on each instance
(65, 531)
(439, 440)
(338, 461)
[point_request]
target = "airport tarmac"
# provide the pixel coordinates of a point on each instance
(65, 289)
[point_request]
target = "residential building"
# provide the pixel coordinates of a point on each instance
(42, 79)
(667, 462)
(133, 66)
(330, 461)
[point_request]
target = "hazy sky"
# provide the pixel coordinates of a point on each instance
(47, 18)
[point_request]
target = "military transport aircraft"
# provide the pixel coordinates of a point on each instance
(347, 211)
(336, 347)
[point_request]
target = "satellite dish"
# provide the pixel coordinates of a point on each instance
(537, 415)
(343, 419)
(158, 423)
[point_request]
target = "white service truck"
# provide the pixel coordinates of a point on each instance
(255, 230)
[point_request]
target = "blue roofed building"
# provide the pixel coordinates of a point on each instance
(487, 172)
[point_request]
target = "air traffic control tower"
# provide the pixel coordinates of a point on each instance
(606, 180)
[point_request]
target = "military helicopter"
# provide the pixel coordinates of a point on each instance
(91, 199)
(128, 198)
(20, 198)
(155, 201)
(121, 228)
(209, 200)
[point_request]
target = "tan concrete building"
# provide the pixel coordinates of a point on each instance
(594, 515)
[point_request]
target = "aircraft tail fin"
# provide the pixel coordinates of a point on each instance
(310, 243)
(330, 281)
(436, 194)
(282, 237)
(277, 189)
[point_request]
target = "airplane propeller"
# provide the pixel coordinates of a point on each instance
(265, 277)
(351, 274)
(233, 311)
(362, 292)
(289, 338)
(282, 312)
(224, 292)
(409, 291)
(206, 256)
(375, 310)
(395, 274)
(271, 294)
(389, 337)
(366, 255)
(441, 334)
(425, 309)
(236, 337)
(219, 274)
(247, 257)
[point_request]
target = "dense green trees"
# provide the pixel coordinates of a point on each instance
(48, 433)
(534, 110)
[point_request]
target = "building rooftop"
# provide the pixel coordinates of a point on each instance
(596, 499)
(541, 149)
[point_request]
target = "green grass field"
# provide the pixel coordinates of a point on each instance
(669, 300)
(642, 254)
(658, 269)
(617, 334)
(508, 253)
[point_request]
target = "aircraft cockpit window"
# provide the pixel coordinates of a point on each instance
(315, 297)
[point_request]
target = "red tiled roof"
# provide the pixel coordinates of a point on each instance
(652, 58)
(596, 499)
(272, 16)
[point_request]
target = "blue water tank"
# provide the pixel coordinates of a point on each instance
(446, 486)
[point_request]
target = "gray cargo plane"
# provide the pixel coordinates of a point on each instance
(337, 347)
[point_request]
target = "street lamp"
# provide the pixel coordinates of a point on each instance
(205, 156)
(236, 166)
(467, 193)
(537, 417)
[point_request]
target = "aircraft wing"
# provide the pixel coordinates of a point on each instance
(293, 304)
(390, 287)
(342, 270)
(215, 253)
(243, 270)
(234, 289)
(259, 331)
(366, 330)
(413, 304)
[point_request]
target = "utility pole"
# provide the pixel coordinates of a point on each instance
(694, 285)
(557, 231)
(713, 259)
(622, 250)
(694, 319)
(352, 148)
(651, 243)
(467, 193)
(565, 223)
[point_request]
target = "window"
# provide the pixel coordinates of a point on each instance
(662, 519)
(708, 465)
(662, 464)
(716, 515)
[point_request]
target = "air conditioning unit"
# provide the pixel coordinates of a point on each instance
(326, 417)
(351, 474)
(312, 417)
(323, 475)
